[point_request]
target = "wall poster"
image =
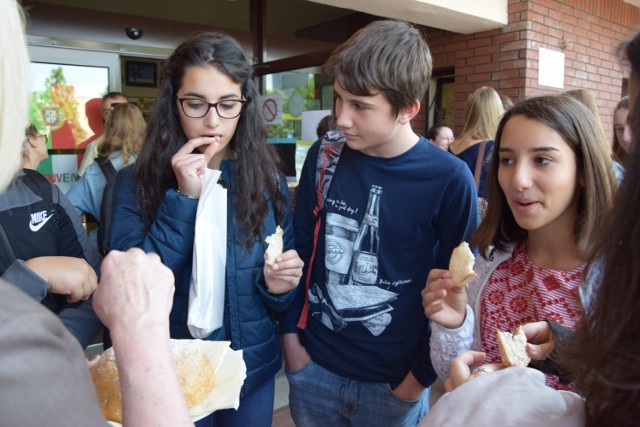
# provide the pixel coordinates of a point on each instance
(65, 106)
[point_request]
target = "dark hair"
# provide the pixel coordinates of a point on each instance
(31, 131)
(390, 56)
(603, 354)
(111, 95)
(326, 124)
(256, 173)
(434, 131)
(574, 123)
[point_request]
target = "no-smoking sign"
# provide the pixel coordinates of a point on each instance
(271, 109)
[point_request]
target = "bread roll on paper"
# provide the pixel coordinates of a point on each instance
(513, 348)
(461, 265)
(275, 247)
(195, 374)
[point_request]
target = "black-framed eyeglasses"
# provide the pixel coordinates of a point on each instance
(197, 108)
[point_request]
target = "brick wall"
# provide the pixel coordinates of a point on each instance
(588, 32)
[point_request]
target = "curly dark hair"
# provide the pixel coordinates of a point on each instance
(256, 181)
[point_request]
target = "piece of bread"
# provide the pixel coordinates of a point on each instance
(275, 245)
(194, 368)
(461, 265)
(513, 348)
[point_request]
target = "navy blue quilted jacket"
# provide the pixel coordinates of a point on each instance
(249, 321)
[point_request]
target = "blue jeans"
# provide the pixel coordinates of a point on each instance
(255, 410)
(318, 397)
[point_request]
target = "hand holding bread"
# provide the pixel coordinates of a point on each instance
(133, 300)
(461, 265)
(513, 348)
(275, 246)
(444, 303)
(444, 298)
(282, 270)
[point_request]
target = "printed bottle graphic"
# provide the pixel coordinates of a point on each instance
(364, 266)
(340, 236)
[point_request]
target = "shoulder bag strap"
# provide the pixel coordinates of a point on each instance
(328, 156)
(478, 171)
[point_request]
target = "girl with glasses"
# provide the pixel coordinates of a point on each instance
(206, 116)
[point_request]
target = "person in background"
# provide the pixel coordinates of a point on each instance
(45, 250)
(206, 116)
(587, 98)
(107, 103)
(482, 112)
(600, 356)
(120, 143)
(43, 367)
(356, 351)
(507, 103)
(551, 187)
(326, 124)
(622, 138)
(34, 148)
(441, 136)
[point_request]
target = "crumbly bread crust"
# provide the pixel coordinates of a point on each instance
(275, 247)
(461, 265)
(194, 369)
(513, 348)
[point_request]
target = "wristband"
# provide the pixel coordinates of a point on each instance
(185, 195)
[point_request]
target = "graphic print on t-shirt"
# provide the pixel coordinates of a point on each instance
(351, 262)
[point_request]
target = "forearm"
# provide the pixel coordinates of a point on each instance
(145, 359)
(446, 344)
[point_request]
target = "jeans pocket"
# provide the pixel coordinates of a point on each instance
(392, 395)
(290, 373)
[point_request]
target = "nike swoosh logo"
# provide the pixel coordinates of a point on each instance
(36, 227)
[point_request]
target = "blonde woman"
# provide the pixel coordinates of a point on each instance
(482, 112)
(123, 137)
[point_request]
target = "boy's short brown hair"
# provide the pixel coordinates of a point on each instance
(389, 56)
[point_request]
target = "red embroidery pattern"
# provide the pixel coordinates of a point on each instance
(519, 292)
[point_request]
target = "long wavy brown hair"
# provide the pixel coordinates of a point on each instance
(255, 181)
(604, 355)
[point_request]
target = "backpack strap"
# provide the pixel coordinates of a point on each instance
(106, 166)
(330, 149)
(104, 228)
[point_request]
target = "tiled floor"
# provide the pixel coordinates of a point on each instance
(282, 418)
